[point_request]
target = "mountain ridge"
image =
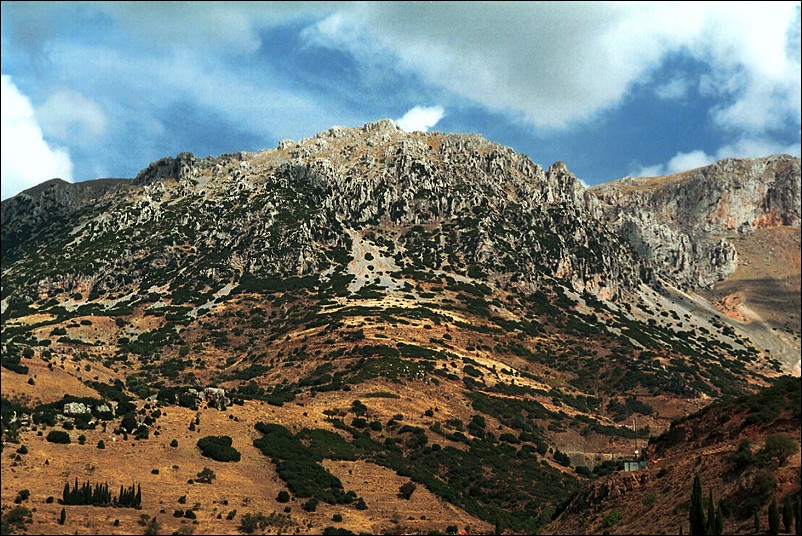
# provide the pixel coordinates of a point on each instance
(411, 307)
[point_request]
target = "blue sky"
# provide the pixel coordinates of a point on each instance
(102, 89)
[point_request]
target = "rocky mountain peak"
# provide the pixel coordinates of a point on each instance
(684, 223)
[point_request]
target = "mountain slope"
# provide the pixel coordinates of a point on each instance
(729, 231)
(727, 444)
(406, 306)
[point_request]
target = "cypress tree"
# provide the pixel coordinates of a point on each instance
(63, 517)
(719, 526)
(774, 518)
(66, 495)
(696, 513)
(138, 498)
(788, 514)
(710, 525)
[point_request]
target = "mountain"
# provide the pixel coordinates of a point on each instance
(728, 231)
(393, 308)
(736, 449)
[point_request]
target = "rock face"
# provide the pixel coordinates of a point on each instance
(434, 202)
(683, 224)
(46, 202)
(457, 203)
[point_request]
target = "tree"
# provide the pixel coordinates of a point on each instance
(57, 436)
(696, 513)
(128, 423)
(719, 526)
(757, 522)
(710, 525)
(780, 446)
(774, 518)
(283, 497)
(218, 448)
(101, 444)
(788, 514)
(407, 489)
(63, 517)
(152, 527)
(206, 476)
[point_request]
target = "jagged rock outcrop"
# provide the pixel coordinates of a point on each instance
(28, 211)
(449, 202)
(594, 496)
(683, 224)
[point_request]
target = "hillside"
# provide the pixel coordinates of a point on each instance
(727, 444)
(389, 307)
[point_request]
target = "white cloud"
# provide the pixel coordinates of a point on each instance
(557, 64)
(678, 163)
(26, 157)
(213, 26)
(421, 118)
(676, 88)
(648, 171)
(743, 148)
(69, 115)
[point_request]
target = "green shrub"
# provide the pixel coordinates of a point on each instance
(57, 436)
(612, 518)
(407, 489)
(218, 448)
(206, 476)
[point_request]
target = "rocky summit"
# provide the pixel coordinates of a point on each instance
(378, 331)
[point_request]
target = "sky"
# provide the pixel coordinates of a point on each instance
(101, 89)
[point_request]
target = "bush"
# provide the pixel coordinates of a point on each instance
(283, 496)
(742, 457)
(218, 448)
(101, 444)
(174, 443)
(612, 518)
(206, 476)
(583, 470)
(310, 505)
(407, 489)
(57, 436)
(780, 447)
(128, 422)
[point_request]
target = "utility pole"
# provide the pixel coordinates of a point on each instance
(635, 429)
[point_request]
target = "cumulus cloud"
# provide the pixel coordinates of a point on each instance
(742, 148)
(27, 159)
(678, 163)
(68, 114)
(558, 64)
(421, 118)
(676, 88)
